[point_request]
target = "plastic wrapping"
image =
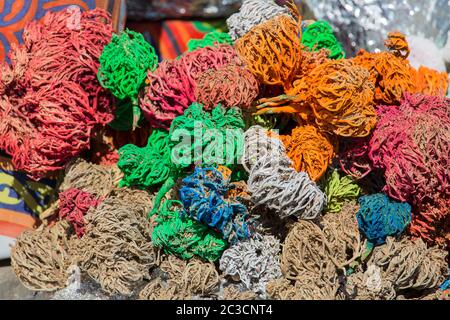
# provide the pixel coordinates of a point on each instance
(365, 23)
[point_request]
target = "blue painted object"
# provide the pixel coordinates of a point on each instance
(203, 197)
(380, 217)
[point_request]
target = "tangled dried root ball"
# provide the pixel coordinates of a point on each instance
(274, 183)
(219, 134)
(337, 95)
(158, 290)
(353, 157)
(308, 249)
(411, 144)
(209, 40)
(343, 236)
(124, 63)
(116, 250)
(171, 87)
(52, 103)
(233, 292)
(319, 35)
(397, 44)
(290, 192)
(309, 149)
(430, 82)
(340, 96)
(73, 206)
(231, 86)
(170, 90)
(257, 144)
(311, 60)
(272, 50)
(146, 166)
(193, 277)
(282, 289)
(380, 217)
(254, 262)
(186, 280)
(339, 190)
(389, 72)
(185, 237)
(95, 179)
(431, 222)
(203, 194)
(400, 267)
(41, 258)
(251, 14)
(208, 58)
(314, 260)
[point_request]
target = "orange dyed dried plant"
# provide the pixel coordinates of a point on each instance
(397, 44)
(389, 71)
(309, 149)
(429, 81)
(311, 60)
(337, 95)
(272, 50)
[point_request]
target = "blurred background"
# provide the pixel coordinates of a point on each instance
(169, 24)
(357, 23)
